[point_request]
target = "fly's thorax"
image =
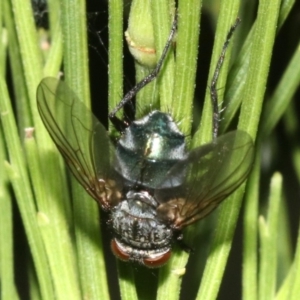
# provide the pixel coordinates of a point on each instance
(140, 236)
(149, 148)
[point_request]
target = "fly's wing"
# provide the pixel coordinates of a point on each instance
(81, 139)
(211, 173)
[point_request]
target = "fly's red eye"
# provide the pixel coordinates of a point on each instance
(156, 261)
(150, 260)
(118, 251)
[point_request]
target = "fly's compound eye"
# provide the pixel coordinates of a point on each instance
(119, 251)
(149, 259)
(157, 260)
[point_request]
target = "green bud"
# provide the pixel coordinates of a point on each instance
(139, 35)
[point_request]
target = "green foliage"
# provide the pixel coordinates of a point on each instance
(60, 220)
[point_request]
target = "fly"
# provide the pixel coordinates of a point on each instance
(149, 182)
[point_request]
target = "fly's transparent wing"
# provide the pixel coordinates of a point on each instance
(211, 173)
(81, 139)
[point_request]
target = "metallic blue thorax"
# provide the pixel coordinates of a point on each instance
(148, 149)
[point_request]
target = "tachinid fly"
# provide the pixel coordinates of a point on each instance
(149, 182)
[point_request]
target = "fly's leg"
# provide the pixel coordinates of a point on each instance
(214, 81)
(121, 124)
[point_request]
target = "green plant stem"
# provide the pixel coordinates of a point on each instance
(23, 111)
(86, 216)
(53, 227)
(290, 289)
(54, 58)
(249, 117)
(283, 94)
(8, 288)
(268, 229)
(187, 41)
(140, 29)
(235, 88)
(170, 276)
(31, 56)
(126, 281)
(228, 15)
(162, 20)
(17, 173)
(115, 63)
(250, 259)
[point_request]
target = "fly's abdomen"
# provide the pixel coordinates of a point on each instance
(135, 223)
(139, 235)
